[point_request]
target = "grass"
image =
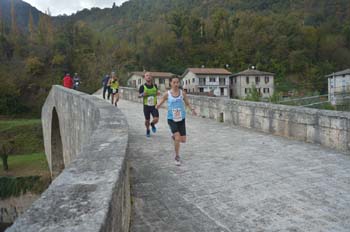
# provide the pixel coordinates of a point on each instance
(26, 133)
(6, 125)
(26, 165)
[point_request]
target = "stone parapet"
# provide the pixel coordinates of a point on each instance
(86, 143)
(328, 128)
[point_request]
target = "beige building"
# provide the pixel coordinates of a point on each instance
(207, 80)
(338, 86)
(161, 79)
(241, 83)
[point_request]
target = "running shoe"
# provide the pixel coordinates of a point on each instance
(177, 161)
(148, 133)
(154, 129)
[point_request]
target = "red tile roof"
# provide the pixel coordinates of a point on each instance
(253, 72)
(155, 74)
(207, 71)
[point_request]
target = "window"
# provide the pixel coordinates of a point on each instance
(247, 80)
(193, 80)
(201, 90)
(267, 79)
(212, 79)
(222, 91)
(201, 81)
(266, 90)
(235, 79)
(222, 81)
(192, 90)
(257, 80)
(245, 90)
(139, 81)
(161, 81)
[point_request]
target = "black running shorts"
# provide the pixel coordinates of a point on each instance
(177, 127)
(148, 110)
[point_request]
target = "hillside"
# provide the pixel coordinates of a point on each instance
(300, 41)
(21, 12)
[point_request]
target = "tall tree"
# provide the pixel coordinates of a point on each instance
(31, 26)
(14, 28)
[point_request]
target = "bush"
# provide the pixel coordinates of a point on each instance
(34, 66)
(15, 186)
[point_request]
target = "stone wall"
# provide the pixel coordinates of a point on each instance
(88, 138)
(328, 128)
(12, 207)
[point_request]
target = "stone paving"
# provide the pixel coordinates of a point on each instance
(233, 179)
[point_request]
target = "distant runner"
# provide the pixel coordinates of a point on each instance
(76, 81)
(106, 88)
(114, 85)
(149, 93)
(68, 81)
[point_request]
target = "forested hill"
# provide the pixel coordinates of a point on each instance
(299, 40)
(22, 11)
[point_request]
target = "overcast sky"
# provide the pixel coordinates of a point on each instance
(68, 7)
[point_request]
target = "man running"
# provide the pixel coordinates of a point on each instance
(106, 88)
(76, 81)
(68, 81)
(114, 85)
(149, 93)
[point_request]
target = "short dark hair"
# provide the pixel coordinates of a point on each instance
(174, 77)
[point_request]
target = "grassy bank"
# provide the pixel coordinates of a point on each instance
(28, 168)
(26, 134)
(26, 165)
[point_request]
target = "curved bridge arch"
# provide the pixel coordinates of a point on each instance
(85, 144)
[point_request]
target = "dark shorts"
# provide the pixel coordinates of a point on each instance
(148, 110)
(177, 127)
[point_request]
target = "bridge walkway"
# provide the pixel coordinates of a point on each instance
(233, 179)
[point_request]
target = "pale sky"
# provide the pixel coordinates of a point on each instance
(59, 7)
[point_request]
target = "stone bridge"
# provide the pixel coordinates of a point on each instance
(246, 167)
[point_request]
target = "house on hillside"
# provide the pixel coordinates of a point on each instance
(241, 83)
(161, 79)
(338, 86)
(207, 80)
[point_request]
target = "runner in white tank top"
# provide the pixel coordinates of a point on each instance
(176, 114)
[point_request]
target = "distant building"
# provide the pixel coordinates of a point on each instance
(241, 83)
(206, 80)
(338, 85)
(161, 79)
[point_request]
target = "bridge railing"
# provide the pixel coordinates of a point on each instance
(328, 128)
(86, 145)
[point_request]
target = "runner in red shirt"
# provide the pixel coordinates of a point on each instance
(68, 81)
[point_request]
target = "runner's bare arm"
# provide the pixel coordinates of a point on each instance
(188, 103)
(162, 100)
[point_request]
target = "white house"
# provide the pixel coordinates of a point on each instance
(161, 79)
(241, 83)
(338, 85)
(207, 80)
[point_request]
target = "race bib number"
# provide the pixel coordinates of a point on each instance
(114, 91)
(150, 100)
(177, 115)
